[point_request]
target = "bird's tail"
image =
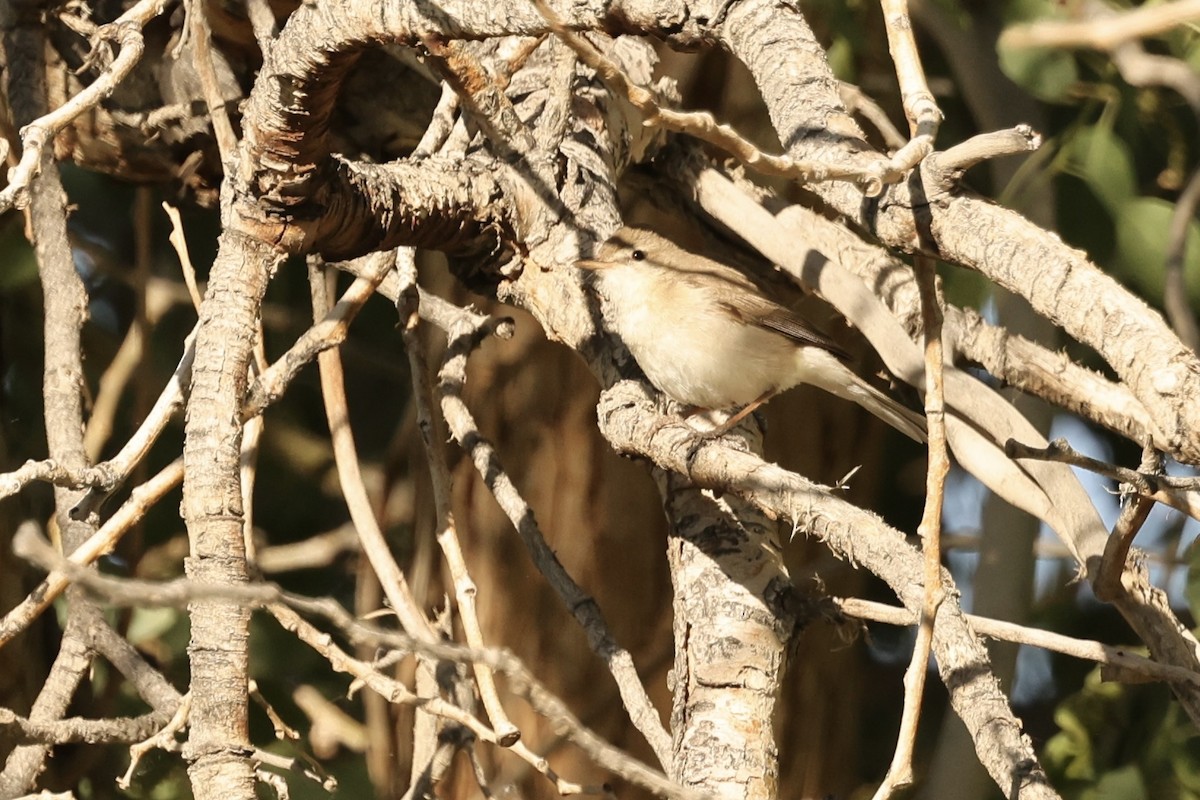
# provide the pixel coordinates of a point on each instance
(825, 371)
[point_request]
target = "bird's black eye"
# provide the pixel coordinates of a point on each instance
(638, 255)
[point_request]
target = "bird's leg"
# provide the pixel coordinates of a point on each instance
(722, 429)
(726, 426)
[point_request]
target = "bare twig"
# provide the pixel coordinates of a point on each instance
(49, 471)
(859, 102)
(439, 473)
(179, 241)
(1104, 33)
(1106, 655)
(899, 774)
(283, 731)
(464, 332)
(329, 332)
(114, 472)
(374, 544)
(262, 20)
(947, 167)
(201, 36)
(331, 726)
(157, 301)
(440, 125)
(23, 730)
(1134, 512)
(1116, 550)
(1145, 70)
(920, 108)
(301, 765)
(164, 739)
(703, 126)
(1182, 494)
(150, 684)
(563, 786)
(312, 553)
(141, 499)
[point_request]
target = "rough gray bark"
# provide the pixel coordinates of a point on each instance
(218, 747)
(734, 619)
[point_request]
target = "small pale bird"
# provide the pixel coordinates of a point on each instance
(707, 337)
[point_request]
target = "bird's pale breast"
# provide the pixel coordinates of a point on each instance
(689, 346)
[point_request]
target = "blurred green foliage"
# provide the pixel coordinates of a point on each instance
(1123, 742)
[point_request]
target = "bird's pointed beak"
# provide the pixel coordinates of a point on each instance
(592, 264)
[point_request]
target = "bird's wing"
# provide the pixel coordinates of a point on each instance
(766, 313)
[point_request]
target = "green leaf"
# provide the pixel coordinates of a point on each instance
(19, 267)
(1102, 160)
(1143, 226)
(1120, 784)
(1070, 750)
(1185, 754)
(1192, 590)
(1046, 74)
(1192, 55)
(842, 59)
(148, 624)
(1032, 10)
